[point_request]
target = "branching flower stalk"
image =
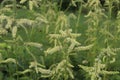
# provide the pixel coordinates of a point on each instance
(16, 41)
(110, 36)
(65, 43)
(95, 16)
(97, 70)
(31, 3)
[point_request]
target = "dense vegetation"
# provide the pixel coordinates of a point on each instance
(53, 40)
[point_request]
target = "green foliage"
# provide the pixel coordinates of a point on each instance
(45, 43)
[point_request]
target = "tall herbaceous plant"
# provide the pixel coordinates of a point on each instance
(43, 47)
(102, 34)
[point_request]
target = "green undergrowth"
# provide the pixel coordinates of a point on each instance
(40, 41)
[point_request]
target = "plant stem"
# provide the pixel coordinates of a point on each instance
(78, 18)
(14, 7)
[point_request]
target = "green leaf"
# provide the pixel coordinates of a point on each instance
(3, 45)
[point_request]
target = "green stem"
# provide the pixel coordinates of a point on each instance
(34, 58)
(78, 19)
(61, 1)
(14, 7)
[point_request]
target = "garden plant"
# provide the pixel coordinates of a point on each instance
(59, 40)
